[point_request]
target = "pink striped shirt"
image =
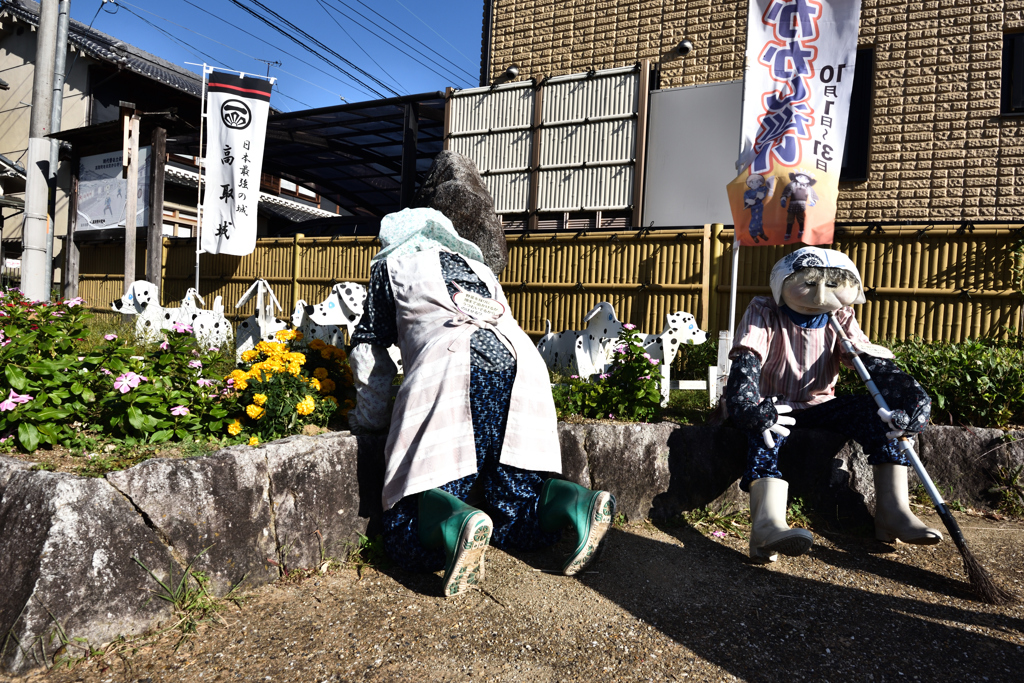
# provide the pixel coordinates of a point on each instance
(800, 364)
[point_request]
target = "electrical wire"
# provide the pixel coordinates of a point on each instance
(199, 54)
(314, 41)
(420, 41)
(435, 32)
(352, 38)
(450, 73)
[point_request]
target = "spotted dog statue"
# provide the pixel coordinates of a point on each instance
(583, 352)
(261, 325)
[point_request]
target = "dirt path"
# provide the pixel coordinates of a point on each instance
(663, 603)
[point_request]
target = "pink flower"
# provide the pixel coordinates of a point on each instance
(231, 382)
(182, 329)
(179, 410)
(604, 376)
(105, 371)
(203, 382)
(720, 534)
(13, 399)
(574, 376)
(195, 364)
(164, 346)
(128, 381)
(110, 337)
(214, 349)
(77, 301)
(629, 326)
(652, 361)
(611, 416)
(621, 348)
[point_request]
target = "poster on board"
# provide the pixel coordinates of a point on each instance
(103, 193)
(801, 56)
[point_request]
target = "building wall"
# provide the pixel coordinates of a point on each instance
(17, 57)
(939, 150)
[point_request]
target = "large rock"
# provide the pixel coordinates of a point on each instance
(219, 504)
(454, 187)
(67, 560)
(325, 491)
(963, 461)
(8, 466)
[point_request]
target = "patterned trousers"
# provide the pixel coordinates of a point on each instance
(855, 417)
(509, 494)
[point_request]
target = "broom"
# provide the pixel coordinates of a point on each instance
(980, 580)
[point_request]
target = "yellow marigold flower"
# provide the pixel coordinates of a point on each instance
(259, 399)
(250, 355)
(241, 384)
(306, 406)
(317, 344)
(298, 335)
(254, 411)
(327, 386)
(254, 441)
(299, 358)
(331, 399)
(340, 354)
(320, 373)
(235, 428)
(294, 369)
(285, 335)
(315, 383)
(325, 353)
(270, 348)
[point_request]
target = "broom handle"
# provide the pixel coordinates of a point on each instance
(904, 443)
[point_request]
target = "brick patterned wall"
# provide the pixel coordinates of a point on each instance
(939, 148)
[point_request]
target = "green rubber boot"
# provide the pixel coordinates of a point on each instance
(589, 512)
(464, 532)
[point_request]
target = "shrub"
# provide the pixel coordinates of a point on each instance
(629, 391)
(976, 382)
(278, 390)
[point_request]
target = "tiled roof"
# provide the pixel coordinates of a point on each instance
(113, 51)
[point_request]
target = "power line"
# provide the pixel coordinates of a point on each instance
(435, 32)
(350, 37)
(198, 53)
(316, 42)
(418, 40)
(450, 73)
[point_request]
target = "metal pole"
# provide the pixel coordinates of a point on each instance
(199, 183)
(57, 108)
(33, 240)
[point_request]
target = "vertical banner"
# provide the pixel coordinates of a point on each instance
(237, 111)
(800, 62)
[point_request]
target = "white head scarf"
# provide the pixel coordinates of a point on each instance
(813, 257)
(411, 230)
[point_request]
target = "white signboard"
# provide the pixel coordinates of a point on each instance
(103, 193)
(237, 110)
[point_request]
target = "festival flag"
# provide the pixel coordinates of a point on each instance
(237, 109)
(796, 96)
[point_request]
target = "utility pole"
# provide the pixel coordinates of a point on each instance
(60, 61)
(130, 170)
(33, 240)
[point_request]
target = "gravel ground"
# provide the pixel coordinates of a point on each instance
(663, 603)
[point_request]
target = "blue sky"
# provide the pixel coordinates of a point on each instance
(442, 42)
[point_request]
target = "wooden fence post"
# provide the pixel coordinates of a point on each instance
(296, 265)
(705, 277)
(714, 319)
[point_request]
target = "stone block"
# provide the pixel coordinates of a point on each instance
(67, 557)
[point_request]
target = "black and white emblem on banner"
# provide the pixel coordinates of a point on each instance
(235, 114)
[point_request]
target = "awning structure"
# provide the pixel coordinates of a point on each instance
(353, 154)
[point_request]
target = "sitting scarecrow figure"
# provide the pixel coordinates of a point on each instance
(785, 364)
(473, 423)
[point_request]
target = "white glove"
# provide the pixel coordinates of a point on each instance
(778, 427)
(886, 416)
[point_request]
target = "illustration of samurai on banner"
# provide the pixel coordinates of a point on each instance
(796, 97)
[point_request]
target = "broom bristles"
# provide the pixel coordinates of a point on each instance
(981, 581)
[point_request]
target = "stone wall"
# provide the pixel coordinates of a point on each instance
(78, 552)
(939, 148)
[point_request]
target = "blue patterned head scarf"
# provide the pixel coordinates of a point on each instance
(411, 230)
(812, 257)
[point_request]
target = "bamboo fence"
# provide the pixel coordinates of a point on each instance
(927, 282)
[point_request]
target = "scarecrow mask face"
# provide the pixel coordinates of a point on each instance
(813, 291)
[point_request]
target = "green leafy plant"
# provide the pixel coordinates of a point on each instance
(722, 520)
(367, 552)
(1009, 490)
(629, 391)
(797, 513)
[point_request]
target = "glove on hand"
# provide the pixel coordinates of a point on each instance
(746, 408)
(909, 404)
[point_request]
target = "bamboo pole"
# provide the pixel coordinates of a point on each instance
(296, 266)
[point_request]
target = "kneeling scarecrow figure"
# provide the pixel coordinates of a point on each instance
(473, 424)
(785, 364)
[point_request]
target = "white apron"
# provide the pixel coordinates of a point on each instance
(431, 438)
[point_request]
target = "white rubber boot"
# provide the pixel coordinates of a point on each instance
(770, 534)
(893, 518)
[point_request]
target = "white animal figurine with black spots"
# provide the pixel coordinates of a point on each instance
(303, 322)
(143, 301)
(262, 325)
(343, 307)
(680, 328)
(583, 352)
(211, 328)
